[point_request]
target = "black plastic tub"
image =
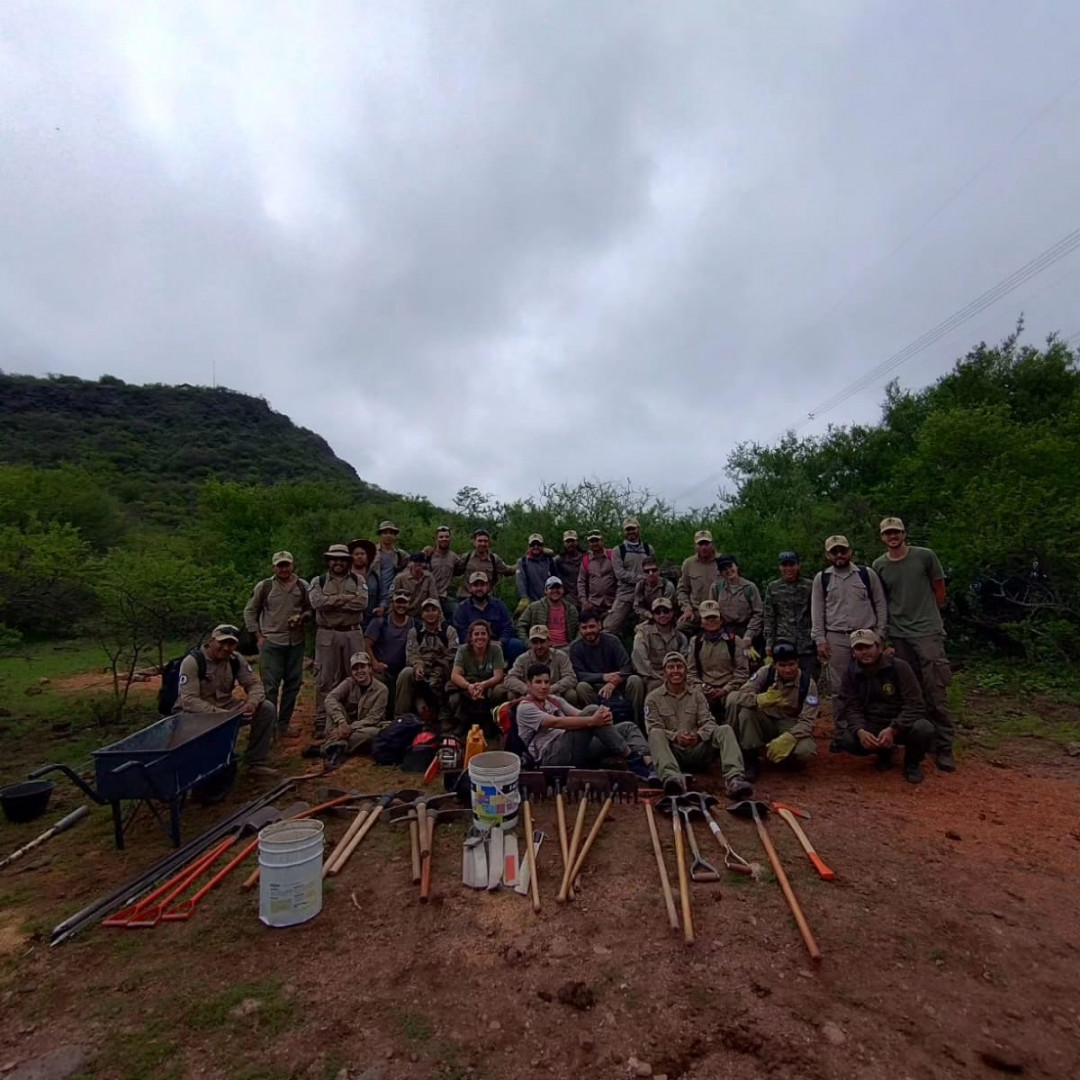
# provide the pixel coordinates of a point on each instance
(26, 801)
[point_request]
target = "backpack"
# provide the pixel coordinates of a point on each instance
(441, 634)
(421, 752)
(170, 678)
(268, 584)
(648, 552)
(505, 717)
(864, 576)
(391, 745)
(585, 559)
(698, 639)
(804, 683)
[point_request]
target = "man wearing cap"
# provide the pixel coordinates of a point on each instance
(568, 566)
(555, 613)
(339, 599)
(597, 583)
(844, 598)
(740, 603)
(718, 663)
(696, 578)
(685, 737)
(787, 613)
(355, 710)
(649, 588)
(482, 559)
(627, 560)
(389, 561)
(533, 570)
(276, 614)
(884, 708)
(603, 669)
(654, 641)
(417, 583)
(429, 655)
(914, 585)
(386, 641)
(206, 688)
(563, 680)
(445, 565)
(775, 711)
(480, 604)
(363, 559)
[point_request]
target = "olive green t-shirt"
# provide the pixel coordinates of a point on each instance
(909, 588)
(474, 671)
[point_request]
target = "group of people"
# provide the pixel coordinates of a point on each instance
(717, 669)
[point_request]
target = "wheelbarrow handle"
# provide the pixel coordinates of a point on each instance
(73, 776)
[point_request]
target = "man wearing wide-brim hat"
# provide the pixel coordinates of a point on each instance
(339, 599)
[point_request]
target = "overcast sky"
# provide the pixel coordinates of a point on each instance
(495, 242)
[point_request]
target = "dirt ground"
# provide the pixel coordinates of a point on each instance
(950, 941)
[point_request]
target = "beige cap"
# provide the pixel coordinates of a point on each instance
(536, 538)
(477, 575)
(400, 594)
(674, 658)
(443, 528)
(570, 534)
(710, 608)
(662, 602)
(631, 523)
(359, 658)
(429, 602)
(538, 633)
(225, 632)
(282, 556)
(388, 526)
(703, 536)
(338, 551)
(595, 534)
(891, 523)
(863, 637)
(838, 540)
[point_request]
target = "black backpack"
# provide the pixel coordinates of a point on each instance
(804, 683)
(392, 743)
(864, 577)
(421, 630)
(170, 678)
(647, 551)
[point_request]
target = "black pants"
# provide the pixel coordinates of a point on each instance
(915, 740)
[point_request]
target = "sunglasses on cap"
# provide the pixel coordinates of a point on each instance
(229, 630)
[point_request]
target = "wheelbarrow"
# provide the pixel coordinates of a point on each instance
(158, 766)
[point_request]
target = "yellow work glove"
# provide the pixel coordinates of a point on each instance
(772, 696)
(753, 655)
(780, 747)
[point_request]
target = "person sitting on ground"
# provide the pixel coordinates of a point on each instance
(481, 560)
(480, 604)
(386, 642)
(478, 673)
(552, 611)
(356, 710)
(563, 679)
(557, 734)
(740, 604)
(276, 614)
(885, 708)
(429, 653)
(604, 671)
(684, 736)
(363, 555)
(649, 587)
(206, 688)
(417, 583)
(628, 562)
(696, 579)
(568, 566)
(654, 640)
(533, 570)
(787, 612)
(717, 662)
(597, 583)
(776, 711)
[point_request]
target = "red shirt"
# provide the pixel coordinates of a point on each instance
(557, 624)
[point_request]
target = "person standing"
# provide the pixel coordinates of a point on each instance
(445, 565)
(568, 566)
(533, 570)
(628, 561)
(716, 660)
(339, 599)
(417, 583)
(787, 613)
(696, 578)
(276, 614)
(596, 579)
(386, 641)
(740, 603)
(654, 641)
(914, 585)
(389, 561)
(560, 618)
(482, 560)
(363, 558)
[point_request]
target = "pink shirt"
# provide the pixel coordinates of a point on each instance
(557, 624)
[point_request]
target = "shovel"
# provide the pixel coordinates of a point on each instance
(700, 870)
(732, 860)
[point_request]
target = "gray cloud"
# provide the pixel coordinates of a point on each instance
(426, 230)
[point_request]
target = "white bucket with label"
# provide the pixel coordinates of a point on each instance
(290, 878)
(495, 796)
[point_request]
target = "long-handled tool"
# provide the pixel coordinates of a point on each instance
(680, 863)
(565, 890)
(789, 814)
(62, 825)
(530, 855)
(433, 816)
(525, 877)
(564, 841)
(733, 861)
(415, 814)
(384, 800)
(700, 869)
(661, 866)
(354, 827)
(751, 808)
(594, 832)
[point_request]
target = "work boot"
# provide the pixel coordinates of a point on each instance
(674, 787)
(262, 769)
(312, 750)
(751, 765)
(884, 761)
(739, 789)
(912, 773)
(636, 764)
(944, 761)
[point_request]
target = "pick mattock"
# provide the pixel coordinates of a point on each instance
(383, 801)
(433, 815)
(752, 808)
(733, 861)
(661, 866)
(789, 814)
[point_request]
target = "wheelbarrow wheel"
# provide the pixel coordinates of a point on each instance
(216, 788)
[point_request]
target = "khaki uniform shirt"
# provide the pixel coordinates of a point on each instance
(597, 584)
(683, 714)
(714, 663)
(645, 594)
(563, 677)
(429, 649)
(272, 618)
(214, 694)
(493, 566)
(695, 581)
(786, 710)
(356, 705)
(419, 589)
(848, 605)
(740, 605)
(651, 645)
(628, 568)
(444, 566)
(338, 603)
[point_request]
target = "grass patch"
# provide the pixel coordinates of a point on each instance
(414, 1026)
(149, 1054)
(273, 1015)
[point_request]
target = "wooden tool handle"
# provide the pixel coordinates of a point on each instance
(414, 850)
(665, 884)
(355, 842)
(789, 896)
(427, 835)
(818, 862)
(568, 877)
(530, 858)
(422, 826)
(684, 883)
(340, 846)
(594, 832)
(564, 844)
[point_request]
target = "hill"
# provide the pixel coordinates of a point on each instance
(154, 445)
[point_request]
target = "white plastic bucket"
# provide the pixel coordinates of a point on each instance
(290, 879)
(495, 795)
